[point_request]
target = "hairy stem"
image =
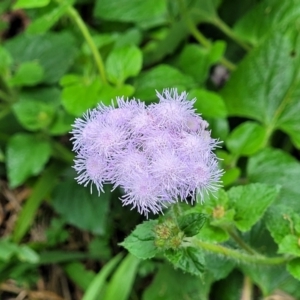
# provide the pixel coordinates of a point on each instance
(237, 255)
(74, 15)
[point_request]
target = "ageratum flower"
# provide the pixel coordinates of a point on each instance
(158, 154)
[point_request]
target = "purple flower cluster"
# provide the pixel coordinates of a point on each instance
(158, 154)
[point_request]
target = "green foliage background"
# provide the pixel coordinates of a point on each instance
(240, 59)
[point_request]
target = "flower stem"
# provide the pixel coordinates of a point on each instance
(207, 44)
(74, 15)
(237, 255)
(228, 31)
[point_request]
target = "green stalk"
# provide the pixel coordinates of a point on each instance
(207, 44)
(237, 255)
(74, 15)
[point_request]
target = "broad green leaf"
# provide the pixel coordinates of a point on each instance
(123, 62)
(46, 21)
(191, 223)
(190, 260)
(5, 60)
(81, 96)
(121, 283)
(159, 78)
(61, 123)
(26, 156)
(79, 274)
(266, 16)
(55, 52)
(42, 187)
(26, 254)
(34, 115)
(250, 202)
(141, 241)
(293, 267)
(146, 13)
(109, 93)
(165, 285)
(290, 245)
(96, 286)
(246, 139)
(28, 74)
(230, 176)
(30, 3)
(266, 85)
(89, 211)
(206, 10)
(274, 166)
(208, 103)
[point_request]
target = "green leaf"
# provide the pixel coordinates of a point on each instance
(146, 13)
(89, 211)
(273, 166)
(26, 254)
(5, 60)
(191, 223)
(293, 267)
(79, 274)
(26, 156)
(189, 260)
(48, 20)
(62, 123)
(96, 286)
(230, 176)
(208, 103)
(275, 102)
(7, 250)
(266, 16)
(122, 280)
(159, 78)
(34, 115)
(141, 241)
(250, 202)
(55, 52)
(290, 245)
(30, 3)
(28, 74)
(42, 187)
(165, 285)
(82, 95)
(246, 139)
(206, 10)
(122, 63)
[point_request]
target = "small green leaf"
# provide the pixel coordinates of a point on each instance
(230, 176)
(5, 60)
(30, 3)
(7, 250)
(28, 74)
(89, 211)
(122, 63)
(79, 97)
(189, 260)
(191, 223)
(250, 202)
(208, 103)
(26, 156)
(26, 254)
(293, 267)
(34, 115)
(141, 241)
(290, 245)
(246, 139)
(159, 78)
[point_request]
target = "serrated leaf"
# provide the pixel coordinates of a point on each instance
(122, 63)
(144, 12)
(246, 139)
(250, 202)
(141, 241)
(208, 103)
(159, 78)
(265, 17)
(41, 48)
(191, 223)
(274, 166)
(89, 211)
(28, 74)
(275, 102)
(290, 244)
(293, 267)
(189, 260)
(26, 156)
